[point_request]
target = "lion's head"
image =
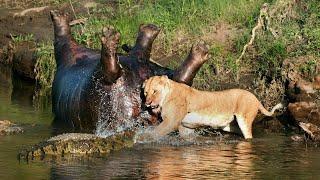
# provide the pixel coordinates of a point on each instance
(155, 90)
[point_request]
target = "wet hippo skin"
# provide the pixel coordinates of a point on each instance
(100, 91)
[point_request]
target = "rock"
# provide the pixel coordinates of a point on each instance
(312, 130)
(307, 112)
(307, 115)
(78, 143)
(306, 109)
(298, 138)
(7, 127)
(305, 87)
(303, 91)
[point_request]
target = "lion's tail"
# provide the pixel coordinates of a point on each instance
(266, 112)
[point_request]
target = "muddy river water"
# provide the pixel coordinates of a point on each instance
(268, 156)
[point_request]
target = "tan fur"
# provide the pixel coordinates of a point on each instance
(184, 107)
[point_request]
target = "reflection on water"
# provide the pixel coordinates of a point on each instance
(268, 156)
(16, 105)
(204, 161)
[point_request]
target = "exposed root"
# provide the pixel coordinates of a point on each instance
(78, 21)
(279, 11)
(31, 10)
(263, 21)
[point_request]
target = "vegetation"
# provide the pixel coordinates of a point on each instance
(22, 38)
(45, 66)
(183, 23)
(291, 30)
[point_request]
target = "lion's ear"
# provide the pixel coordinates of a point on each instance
(164, 77)
(167, 82)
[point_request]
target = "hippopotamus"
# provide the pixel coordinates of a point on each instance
(100, 91)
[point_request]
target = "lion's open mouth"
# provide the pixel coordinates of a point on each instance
(155, 108)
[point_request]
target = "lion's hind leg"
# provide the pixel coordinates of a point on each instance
(244, 126)
(245, 123)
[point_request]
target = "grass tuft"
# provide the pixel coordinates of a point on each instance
(45, 66)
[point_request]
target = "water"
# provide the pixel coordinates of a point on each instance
(268, 156)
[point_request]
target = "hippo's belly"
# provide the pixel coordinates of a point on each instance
(68, 86)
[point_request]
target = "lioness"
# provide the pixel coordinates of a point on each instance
(184, 107)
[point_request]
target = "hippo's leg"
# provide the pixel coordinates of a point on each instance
(62, 37)
(61, 25)
(109, 59)
(66, 50)
(146, 36)
(189, 68)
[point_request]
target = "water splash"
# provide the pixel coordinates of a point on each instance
(115, 109)
(174, 139)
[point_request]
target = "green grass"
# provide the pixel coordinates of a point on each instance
(298, 35)
(270, 58)
(22, 38)
(45, 66)
(193, 19)
(184, 22)
(309, 68)
(189, 16)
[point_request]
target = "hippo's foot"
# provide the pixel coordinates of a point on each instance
(77, 143)
(110, 39)
(60, 23)
(149, 31)
(189, 68)
(109, 59)
(146, 35)
(199, 52)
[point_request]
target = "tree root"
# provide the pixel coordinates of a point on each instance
(26, 11)
(263, 23)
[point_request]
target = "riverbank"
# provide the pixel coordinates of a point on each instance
(267, 49)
